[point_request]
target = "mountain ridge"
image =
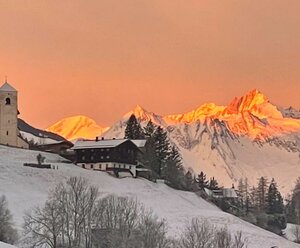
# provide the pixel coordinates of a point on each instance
(251, 115)
(250, 137)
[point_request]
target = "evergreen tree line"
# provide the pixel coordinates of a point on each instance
(263, 204)
(265, 197)
(160, 156)
(293, 204)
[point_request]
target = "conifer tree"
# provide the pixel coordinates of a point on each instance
(162, 148)
(173, 172)
(133, 129)
(275, 200)
(243, 189)
(189, 181)
(149, 130)
(201, 181)
(261, 191)
(293, 207)
(213, 184)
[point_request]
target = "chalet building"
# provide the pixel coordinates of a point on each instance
(114, 155)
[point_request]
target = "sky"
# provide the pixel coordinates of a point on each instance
(100, 58)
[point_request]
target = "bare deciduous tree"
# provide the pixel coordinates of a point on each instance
(43, 225)
(239, 241)
(296, 233)
(197, 235)
(203, 235)
(66, 219)
(222, 239)
(74, 217)
(152, 231)
(8, 233)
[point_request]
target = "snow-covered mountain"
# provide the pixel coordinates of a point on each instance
(250, 137)
(76, 127)
(290, 113)
(26, 187)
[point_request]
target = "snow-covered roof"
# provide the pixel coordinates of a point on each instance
(105, 143)
(7, 87)
(139, 143)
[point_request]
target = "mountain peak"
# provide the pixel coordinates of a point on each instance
(247, 102)
(139, 110)
(144, 115)
(256, 97)
(78, 126)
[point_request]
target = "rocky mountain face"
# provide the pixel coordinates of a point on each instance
(291, 113)
(250, 137)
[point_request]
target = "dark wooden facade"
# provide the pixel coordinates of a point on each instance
(126, 152)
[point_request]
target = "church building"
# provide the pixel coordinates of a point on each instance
(9, 132)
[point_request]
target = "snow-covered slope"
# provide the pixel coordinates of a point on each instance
(76, 127)
(4, 245)
(26, 187)
(290, 232)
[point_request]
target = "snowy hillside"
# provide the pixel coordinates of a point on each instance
(26, 187)
(4, 245)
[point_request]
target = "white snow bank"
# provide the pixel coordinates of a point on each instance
(4, 245)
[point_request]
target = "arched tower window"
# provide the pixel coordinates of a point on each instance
(7, 101)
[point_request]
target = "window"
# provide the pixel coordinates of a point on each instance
(7, 101)
(107, 157)
(92, 157)
(101, 157)
(83, 166)
(92, 166)
(83, 158)
(7, 133)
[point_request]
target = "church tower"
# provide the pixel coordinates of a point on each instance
(8, 115)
